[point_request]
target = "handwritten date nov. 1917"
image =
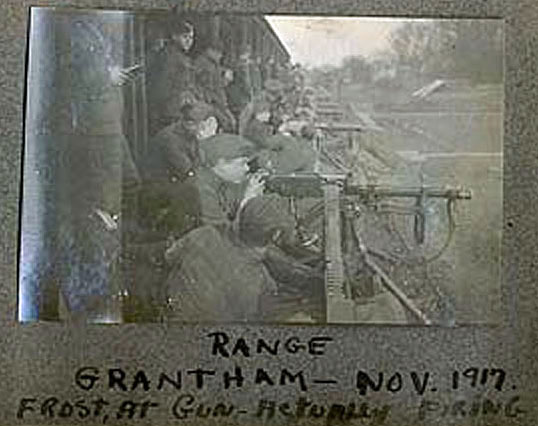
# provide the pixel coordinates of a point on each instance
(394, 382)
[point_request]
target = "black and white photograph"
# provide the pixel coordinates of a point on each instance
(212, 168)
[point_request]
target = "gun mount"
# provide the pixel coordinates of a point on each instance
(341, 207)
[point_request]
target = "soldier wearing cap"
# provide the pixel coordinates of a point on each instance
(213, 277)
(223, 180)
(222, 270)
(174, 151)
(168, 199)
(167, 208)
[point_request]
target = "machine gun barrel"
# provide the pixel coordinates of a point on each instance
(311, 185)
(451, 193)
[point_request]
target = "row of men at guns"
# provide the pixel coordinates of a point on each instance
(193, 237)
(245, 87)
(225, 251)
(207, 243)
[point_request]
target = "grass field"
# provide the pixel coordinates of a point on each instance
(458, 139)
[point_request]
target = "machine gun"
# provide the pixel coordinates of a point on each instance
(341, 206)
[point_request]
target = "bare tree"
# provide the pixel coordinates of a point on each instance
(457, 48)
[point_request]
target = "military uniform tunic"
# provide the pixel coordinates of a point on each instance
(214, 277)
(170, 85)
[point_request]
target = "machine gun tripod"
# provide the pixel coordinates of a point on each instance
(341, 207)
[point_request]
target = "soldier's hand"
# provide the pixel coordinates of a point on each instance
(122, 76)
(256, 185)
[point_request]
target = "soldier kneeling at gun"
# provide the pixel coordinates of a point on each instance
(244, 263)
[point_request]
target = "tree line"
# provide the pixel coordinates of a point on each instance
(435, 49)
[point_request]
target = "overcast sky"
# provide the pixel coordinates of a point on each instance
(315, 41)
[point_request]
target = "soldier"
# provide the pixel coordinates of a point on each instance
(168, 198)
(174, 151)
(168, 208)
(268, 69)
(213, 278)
(240, 91)
(290, 154)
(212, 80)
(170, 79)
(222, 181)
(223, 271)
(258, 127)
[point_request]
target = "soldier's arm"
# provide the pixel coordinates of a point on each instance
(262, 217)
(176, 153)
(212, 211)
